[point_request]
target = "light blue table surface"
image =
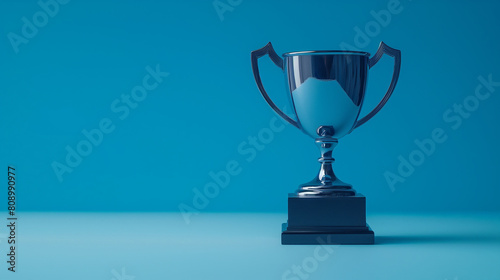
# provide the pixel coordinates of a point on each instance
(146, 246)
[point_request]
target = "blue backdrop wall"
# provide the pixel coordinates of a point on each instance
(151, 105)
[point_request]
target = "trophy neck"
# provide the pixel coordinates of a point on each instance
(326, 182)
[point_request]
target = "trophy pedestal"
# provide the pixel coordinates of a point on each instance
(326, 220)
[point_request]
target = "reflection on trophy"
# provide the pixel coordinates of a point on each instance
(327, 90)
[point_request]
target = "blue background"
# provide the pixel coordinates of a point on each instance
(91, 52)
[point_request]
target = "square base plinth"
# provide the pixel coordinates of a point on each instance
(326, 220)
(362, 236)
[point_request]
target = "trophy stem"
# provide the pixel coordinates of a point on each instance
(326, 182)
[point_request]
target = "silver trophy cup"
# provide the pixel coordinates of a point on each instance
(326, 89)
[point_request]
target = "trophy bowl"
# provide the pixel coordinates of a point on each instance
(327, 89)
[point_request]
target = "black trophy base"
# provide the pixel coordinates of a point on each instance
(321, 237)
(326, 220)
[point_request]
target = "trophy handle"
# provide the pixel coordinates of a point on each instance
(268, 49)
(383, 48)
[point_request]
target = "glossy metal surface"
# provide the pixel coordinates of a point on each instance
(326, 182)
(327, 90)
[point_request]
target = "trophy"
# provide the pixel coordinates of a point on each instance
(326, 89)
